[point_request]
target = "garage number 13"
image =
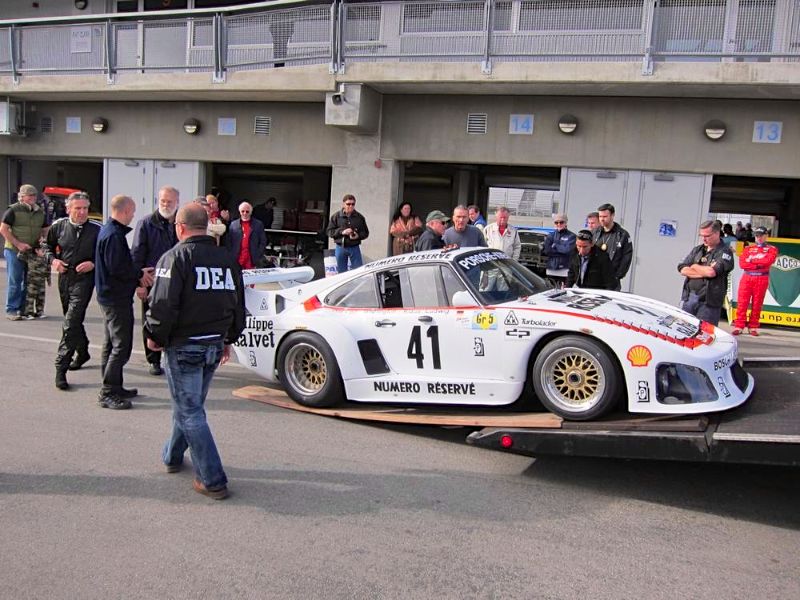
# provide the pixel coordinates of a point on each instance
(415, 344)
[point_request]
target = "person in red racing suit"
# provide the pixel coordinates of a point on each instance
(755, 260)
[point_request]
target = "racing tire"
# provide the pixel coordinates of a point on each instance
(575, 378)
(309, 372)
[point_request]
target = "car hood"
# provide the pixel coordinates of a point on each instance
(627, 310)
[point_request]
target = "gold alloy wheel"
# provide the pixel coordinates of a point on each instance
(306, 369)
(573, 379)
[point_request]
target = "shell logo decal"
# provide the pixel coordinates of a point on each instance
(639, 356)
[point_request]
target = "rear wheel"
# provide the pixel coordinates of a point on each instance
(575, 378)
(309, 372)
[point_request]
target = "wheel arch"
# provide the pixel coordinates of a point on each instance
(546, 339)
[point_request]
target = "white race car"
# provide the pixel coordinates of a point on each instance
(474, 327)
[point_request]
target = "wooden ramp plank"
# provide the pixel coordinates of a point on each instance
(417, 416)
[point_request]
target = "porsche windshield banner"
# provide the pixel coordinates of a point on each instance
(782, 302)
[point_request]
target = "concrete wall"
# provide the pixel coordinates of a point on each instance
(155, 130)
(622, 133)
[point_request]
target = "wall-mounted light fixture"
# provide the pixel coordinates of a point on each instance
(100, 125)
(715, 129)
(568, 124)
(191, 126)
(81, 4)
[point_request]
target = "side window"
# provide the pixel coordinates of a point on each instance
(423, 284)
(452, 284)
(358, 293)
(390, 290)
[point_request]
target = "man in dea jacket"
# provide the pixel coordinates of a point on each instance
(196, 313)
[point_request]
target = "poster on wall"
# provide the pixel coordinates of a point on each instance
(80, 40)
(782, 302)
(668, 228)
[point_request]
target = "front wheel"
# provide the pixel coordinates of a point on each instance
(575, 378)
(309, 372)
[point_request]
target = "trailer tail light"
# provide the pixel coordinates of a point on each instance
(506, 441)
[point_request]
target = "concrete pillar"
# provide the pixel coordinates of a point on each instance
(5, 184)
(374, 182)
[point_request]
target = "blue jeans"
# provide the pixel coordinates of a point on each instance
(344, 253)
(190, 368)
(15, 294)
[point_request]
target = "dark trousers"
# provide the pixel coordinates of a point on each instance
(75, 292)
(697, 307)
(117, 345)
(153, 357)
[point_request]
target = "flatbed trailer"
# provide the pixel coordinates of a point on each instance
(765, 430)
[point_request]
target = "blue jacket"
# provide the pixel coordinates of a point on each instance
(151, 239)
(258, 240)
(115, 277)
(559, 247)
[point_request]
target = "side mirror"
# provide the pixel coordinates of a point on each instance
(463, 298)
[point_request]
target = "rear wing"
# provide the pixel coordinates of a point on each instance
(286, 277)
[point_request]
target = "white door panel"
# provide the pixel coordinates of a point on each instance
(669, 203)
(183, 176)
(132, 178)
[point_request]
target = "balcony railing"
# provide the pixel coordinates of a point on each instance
(275, 34)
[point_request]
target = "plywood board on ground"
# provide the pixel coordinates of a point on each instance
(417, 416)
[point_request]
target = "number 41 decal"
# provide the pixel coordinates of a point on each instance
(415, 346)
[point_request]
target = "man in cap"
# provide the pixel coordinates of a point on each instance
(559, 247)
(590, 267)
(431, 238)
(612, 239)
(755, 260)
(706, 270)
(22, 227)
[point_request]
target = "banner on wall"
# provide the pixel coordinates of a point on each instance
(782, 302)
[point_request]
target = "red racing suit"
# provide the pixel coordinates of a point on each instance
(755, 260)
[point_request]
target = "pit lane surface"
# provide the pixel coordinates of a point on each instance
(335, 509)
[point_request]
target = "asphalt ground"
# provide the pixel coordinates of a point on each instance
(325, 508)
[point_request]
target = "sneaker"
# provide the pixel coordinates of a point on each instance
(29, 317)
(174, 468)
(219, 493)
(79, 361)
(736, 331)
(114, 402)
(155, 370)
(14, 316)
(754, 332)
(40, 316)
(128, 393)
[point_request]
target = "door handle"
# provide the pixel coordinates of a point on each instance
(385, 323)
(425, 319)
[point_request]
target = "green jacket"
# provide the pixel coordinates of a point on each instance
(28, 223)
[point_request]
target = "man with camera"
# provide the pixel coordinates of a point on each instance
(348, 228)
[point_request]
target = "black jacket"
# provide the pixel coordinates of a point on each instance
(618, 247)
(339, 221)
(115, 277)
(197, 296)
(72, 243)
(711, 290)
(599, 272)
(152, 237)
(429, 240)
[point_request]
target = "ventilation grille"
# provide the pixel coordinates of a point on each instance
(262, 125)
(46, 125)
(476, 123)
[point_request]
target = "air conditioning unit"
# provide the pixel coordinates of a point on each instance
(12, 118)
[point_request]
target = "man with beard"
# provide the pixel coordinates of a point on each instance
(612, 239)
(69, 249)
(154, 235)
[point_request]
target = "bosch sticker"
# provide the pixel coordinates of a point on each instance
(643, 391)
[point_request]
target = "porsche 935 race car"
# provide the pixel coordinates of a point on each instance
(474, 327)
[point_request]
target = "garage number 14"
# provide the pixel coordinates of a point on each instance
(415, 344)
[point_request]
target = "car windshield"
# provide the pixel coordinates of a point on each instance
(495, 278)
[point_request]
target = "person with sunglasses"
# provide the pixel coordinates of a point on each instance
(559, 248)
(590, 267)
(348, 228)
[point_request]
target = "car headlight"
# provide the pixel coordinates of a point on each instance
(683, 384)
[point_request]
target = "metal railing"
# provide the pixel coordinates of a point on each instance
(293, 32)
